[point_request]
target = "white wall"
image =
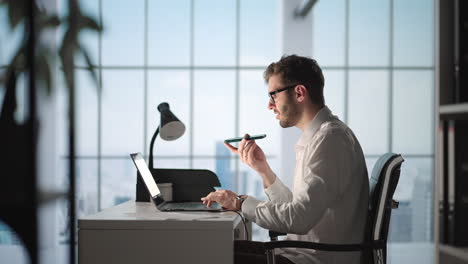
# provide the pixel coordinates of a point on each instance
(49, 183)
(296, 38)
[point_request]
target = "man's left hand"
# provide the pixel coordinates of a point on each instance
(227, 199)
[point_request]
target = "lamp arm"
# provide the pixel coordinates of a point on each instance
(151, 148)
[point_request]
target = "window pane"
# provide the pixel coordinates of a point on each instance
(215, 32)
(172, 87)
(204, 164)
(169, 45)
(251, 184)
(255, 118)
(52, 248)
(259, 45)
(369, 33)
(412, 252)
(413, 219)
(87, 38)
(22, 106)
(368, 109)
(225, 167)
(118, 181)
(122, 112)
(86, 193)
(370, 163)
(14, 37)
(122, 38)
(334, 91)
(12, 248)
(86, 119)
(63, 206)
(329, 34)
(63, 215)
(62, 116)
(400, 226)
(170, 163)
(222, 166)
(413, 33)
(413, 112)
(213, 117)
(87, 186)
(86, 114)
(88, 7)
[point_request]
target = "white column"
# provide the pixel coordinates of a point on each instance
(49, 181)
(296, 38)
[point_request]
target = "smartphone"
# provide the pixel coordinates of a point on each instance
(237, 139)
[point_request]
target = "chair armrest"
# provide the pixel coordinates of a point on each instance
(324, 247)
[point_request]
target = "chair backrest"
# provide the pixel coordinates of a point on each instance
(383, 182)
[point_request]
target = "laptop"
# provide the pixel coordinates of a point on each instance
(156, 196)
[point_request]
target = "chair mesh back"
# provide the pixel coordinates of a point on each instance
(383, 182)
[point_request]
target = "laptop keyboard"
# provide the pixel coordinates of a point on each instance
(187, 205)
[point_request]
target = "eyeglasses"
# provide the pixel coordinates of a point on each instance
(272, 95)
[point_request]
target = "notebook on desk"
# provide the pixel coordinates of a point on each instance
(155, 193)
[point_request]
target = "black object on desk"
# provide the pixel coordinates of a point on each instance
(187, 184)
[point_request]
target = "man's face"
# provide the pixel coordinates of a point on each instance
(284, 105)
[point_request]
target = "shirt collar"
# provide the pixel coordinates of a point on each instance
(322, 116)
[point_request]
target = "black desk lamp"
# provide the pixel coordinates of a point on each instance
(171, 128)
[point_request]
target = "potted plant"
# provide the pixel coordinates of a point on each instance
(19, 196)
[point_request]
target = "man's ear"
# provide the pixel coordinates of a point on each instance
(300, 92)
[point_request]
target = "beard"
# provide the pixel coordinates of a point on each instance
(289, 114)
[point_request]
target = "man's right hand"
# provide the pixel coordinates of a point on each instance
(252, 155)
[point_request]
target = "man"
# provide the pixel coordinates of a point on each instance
(328, 203)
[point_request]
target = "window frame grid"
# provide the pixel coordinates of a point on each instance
(237, 68)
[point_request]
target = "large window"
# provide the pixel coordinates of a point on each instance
(206, 59)
(378, 61)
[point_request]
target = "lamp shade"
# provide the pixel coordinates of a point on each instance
(171, 128)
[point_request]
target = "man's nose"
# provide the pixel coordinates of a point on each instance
(271, 104)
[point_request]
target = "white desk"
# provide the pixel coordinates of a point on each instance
(136, 232)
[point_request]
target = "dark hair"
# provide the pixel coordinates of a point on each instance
(295, 69)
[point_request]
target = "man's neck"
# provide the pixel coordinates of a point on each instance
(308, 115)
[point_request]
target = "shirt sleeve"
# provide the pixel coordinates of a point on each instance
(278, 192)
(320, 185)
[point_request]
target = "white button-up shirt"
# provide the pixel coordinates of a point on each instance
(330, 195)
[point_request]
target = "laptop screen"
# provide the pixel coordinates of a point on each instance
(145, 174)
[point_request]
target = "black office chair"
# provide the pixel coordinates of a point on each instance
(383, 182)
